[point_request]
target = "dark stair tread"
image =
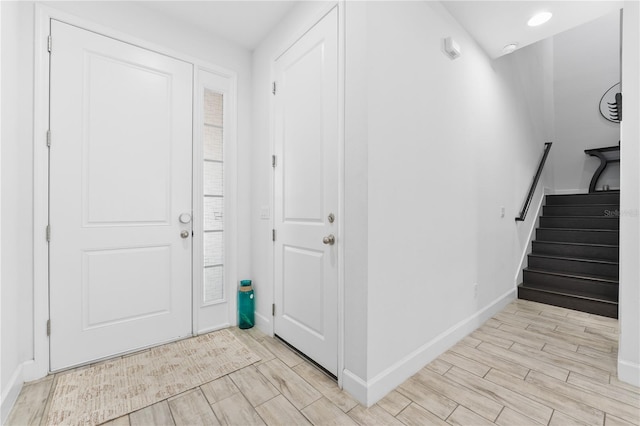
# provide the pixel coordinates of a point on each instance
(582, 210)
(596, 278)
(598, 192)
(586, 236)
(583, 205)
(588, 267)
(562, 200)
(585, 244)
(582, 217)
(592, 250)
(571, 243)
(595, 306)
(579, 259)
(601, 219)
(573, 294)
(579, 229)
(591, 194)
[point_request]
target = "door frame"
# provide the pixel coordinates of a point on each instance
(307, 24)
(38, 367)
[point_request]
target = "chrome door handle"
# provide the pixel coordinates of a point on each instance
(329, 239)
(184, 234)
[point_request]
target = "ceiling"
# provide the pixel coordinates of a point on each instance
(495, 24)
(245, 23)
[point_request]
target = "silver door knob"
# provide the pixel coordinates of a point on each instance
(184, 234)
(329, 239)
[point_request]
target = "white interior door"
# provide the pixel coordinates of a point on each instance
(120, 179)
(306, 193)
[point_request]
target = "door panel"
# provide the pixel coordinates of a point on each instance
(142, 96)
(130, 276)
(120, 176)
(306, 192)
(303, 284)
(303, 136)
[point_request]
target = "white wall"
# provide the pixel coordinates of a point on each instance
(533, 74)
(586, 63)
(433, 149)
(629, 345)
(2, 398)
(449, 143)
(1, 382)
(356, 193)
(16, 224)
(17, 148)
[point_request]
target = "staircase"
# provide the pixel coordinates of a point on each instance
(574, 258)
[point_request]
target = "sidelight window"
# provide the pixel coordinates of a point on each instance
(213, 204)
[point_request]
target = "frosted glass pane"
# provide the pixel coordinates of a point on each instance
(213, 284)
(212, 108)
(213, 183)
(212, 143)
(213, 248)
(213, 214)
(213, 288)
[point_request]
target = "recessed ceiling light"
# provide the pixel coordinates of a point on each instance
(539, 19)
(509, 48)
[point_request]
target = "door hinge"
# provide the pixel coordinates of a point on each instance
(274, 161)
(273, 234)
(273, 310)
(48, 233)
(49, 138)
(273, 88)
(48, 327)
(49, 43)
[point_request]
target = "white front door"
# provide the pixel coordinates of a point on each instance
(306, 194)
(120, 179)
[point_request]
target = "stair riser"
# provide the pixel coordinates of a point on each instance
(590, 306)
(580, 222)
(574, 266)
(583, 252)
(535, 279)
(608, 210)
(611, 198)
(578, 236)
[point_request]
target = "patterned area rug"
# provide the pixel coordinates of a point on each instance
(112, 389)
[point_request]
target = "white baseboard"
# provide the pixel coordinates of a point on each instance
(629, 372)
(370, 392)
(10, 393)
(264, 324)
(355, 386)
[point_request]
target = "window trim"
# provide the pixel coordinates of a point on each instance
(214, 315)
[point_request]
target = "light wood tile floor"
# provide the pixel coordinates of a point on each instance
(531, 364)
